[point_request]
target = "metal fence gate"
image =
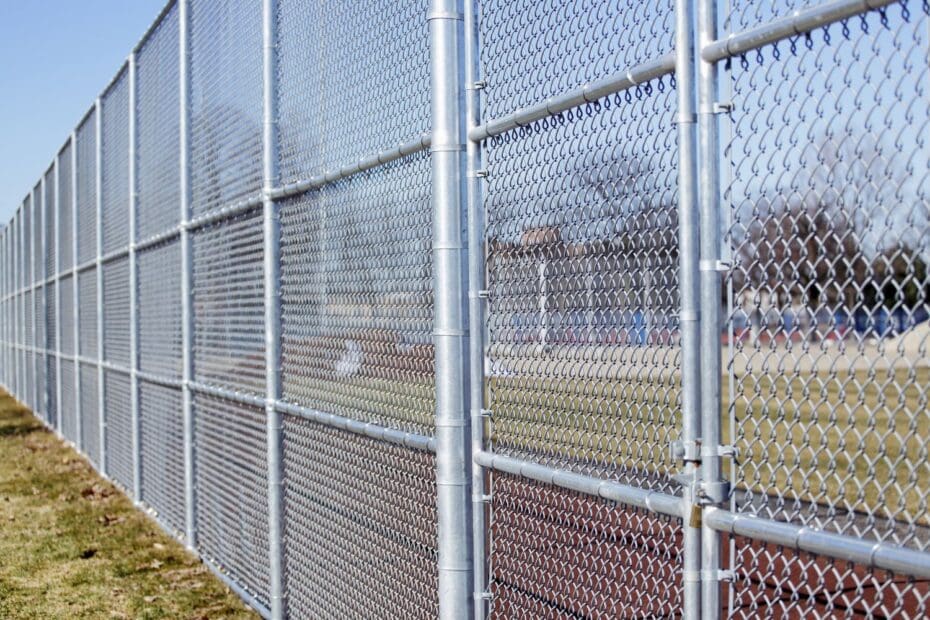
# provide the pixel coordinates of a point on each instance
(507, 308)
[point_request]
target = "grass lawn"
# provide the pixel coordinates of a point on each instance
(73, 546)
(858, 439)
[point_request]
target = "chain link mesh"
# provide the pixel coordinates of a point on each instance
(27, 245)
(65, 208)
(583, 265)
(87, 188)
(582, 256)
(356, 297)
(232, 490)
(226, 103)
(66, 314)
(87, 299)
(115, 164)
(118, 414)
(158, 128)
(51, 253)
(162, 452)
(560, 554)
(228, 300)
(159, 299)
(68, 403)
(829, 239)
(336, 107)
(825, 180)
(90, 413)
(116, 311)
(356, 498)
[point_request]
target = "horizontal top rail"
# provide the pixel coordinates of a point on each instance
(797, 23)
(588, 93)
(881, 555)
(660, 503)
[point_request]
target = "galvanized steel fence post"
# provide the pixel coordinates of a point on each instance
(187, 272)
(75, 296)
(57, 241)
(46, 397)
(98, 250)
(272, 283)
(689, 451)
(453, 441)
(476, 297)
(133, 286)
(36, 225)
(17, 302)
(716, 489)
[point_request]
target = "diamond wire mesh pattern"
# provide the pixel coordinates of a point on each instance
(232, 490)
(51, 266)
(27, 318)
(829, 237)
(533, 50)
(159, 302)
(68, 401)
(582, 269)
(356, 297)
(370, 510)
(27, 244)
(28, 397)
(38, 234)
(116, 311)
(66, 314)
(87, 188)
(50, 360)
(115, 164)
(228, 300)
(336, 105)
(116, 387)
(226, 104)
(560, 554)
(87, 299)
(785, 583)
(65, 208)
(51, 318)
(90, 413)
(162, 452)
(582, 318)
(158, 129)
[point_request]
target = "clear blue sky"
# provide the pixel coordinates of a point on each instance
(57, 55)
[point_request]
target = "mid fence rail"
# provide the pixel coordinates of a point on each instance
(502, 308)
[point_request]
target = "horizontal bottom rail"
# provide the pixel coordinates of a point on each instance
(661, 503)
(881, 555)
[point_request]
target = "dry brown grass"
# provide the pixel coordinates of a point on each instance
(73, 546)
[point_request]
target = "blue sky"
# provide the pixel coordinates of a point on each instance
(57, 57)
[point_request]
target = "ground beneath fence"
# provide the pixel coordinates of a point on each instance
(73, 546)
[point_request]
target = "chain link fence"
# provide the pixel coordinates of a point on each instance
(507, 309)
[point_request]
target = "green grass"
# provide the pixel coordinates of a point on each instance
(73, 546)
(857, 438)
